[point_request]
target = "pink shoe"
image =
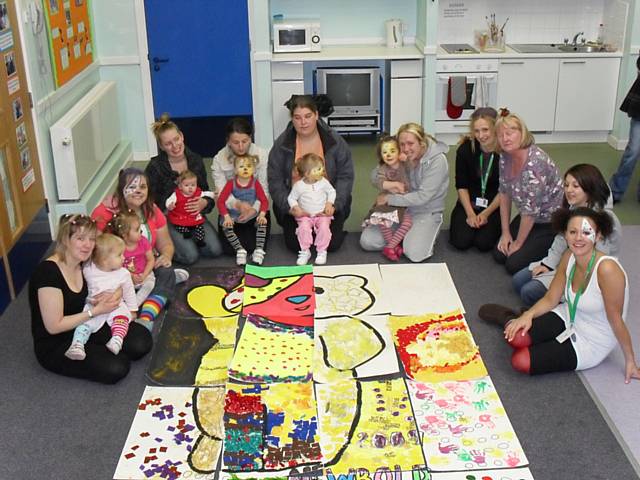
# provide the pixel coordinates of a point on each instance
(399, 251)
(390, 253)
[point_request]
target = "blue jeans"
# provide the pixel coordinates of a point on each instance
(187, 252)
(530, 290)
(620, 180)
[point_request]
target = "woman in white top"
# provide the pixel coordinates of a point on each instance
(581, 332)
(239, 133)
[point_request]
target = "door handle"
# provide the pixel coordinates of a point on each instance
(159, 60)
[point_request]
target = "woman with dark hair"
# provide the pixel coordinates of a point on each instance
(239, 134)
(308, 133)
(475, 219)
(57, 296)
(584, 186)
(132, 193)
(162, 172)
(580, 333)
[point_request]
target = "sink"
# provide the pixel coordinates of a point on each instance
(534, 47)
(580, 48)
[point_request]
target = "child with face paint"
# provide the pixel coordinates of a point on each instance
(581, 332)
(189, 223)
(245, 188)
(394, 222)
(314, 196)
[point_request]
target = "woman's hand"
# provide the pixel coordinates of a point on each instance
(329, 209)
(472, 220)
(298, 212)
(395, 187)
(539, 270)
(521, 325)
(137, 278)
(631, 370)
(503, 244)
(162, 261)
(106, 302)
(195, 205)
(514, 247)
(481, 219)
(381, 199)
(246, 211)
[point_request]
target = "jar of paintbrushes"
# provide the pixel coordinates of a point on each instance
(494, 40)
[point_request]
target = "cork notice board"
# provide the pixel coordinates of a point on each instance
(69, 37)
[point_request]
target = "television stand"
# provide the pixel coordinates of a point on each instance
(357, 122)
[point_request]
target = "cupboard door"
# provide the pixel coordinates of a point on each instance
(587, 90)
(281, 91)
(528, 88)
(406, 102)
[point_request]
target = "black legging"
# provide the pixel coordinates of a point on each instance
(246, 233)
(463, 237)
(535, 246)
(546, 353)
(289, 225)
(100, 365)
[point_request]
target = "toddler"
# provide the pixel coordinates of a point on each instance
(392, 175)
(104, 273)
(189, 224)
(138, 254)
(314, 197)
(245, 188)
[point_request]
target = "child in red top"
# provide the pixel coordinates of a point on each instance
(245, 188)
(190, 224)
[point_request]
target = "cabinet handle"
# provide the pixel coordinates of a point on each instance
(511, 63)
(574, 61)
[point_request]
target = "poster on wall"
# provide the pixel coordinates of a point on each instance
(69, 37)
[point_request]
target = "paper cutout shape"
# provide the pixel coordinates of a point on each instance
(463, 426)
(508, 474)
(283, 294)
(272, 352)
(435, 348)
(433, 280)
(349, 290)
(176, 432)
(270, 427)
(367, 425)
(210, 293)
(366, 351)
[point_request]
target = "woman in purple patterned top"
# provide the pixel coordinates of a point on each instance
(529, 179)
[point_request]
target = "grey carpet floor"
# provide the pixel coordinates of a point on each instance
(60, 428)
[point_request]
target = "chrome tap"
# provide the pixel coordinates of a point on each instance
(574, 42)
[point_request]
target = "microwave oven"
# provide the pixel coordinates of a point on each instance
(296, 36)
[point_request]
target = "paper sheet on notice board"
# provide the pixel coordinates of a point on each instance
(420, 288)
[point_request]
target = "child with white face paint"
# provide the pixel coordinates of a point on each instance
(312, 198)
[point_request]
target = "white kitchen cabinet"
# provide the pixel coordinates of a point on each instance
(528, 88)
(287, 78)
(587, 94)
(406, 93)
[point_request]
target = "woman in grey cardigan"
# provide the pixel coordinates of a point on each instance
(429, 181)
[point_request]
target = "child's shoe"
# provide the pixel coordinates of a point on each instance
(399, 251)
(114, 345)
(181, 275)
(201, 243)
(241, 257)
(258, 256)
(390, 253)
(303, 257)
(321, 258)
(76, 351)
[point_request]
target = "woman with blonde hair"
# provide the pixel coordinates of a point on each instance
(529, 179)
(475, 219)
(428, 181)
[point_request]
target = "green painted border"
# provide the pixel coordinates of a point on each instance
(279, 271)
(50, 43)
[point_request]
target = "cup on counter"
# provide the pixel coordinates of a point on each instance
(495, 43)
(480, 38)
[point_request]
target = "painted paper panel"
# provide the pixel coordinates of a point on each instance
(270, 427)
(283, 294)
(272, 352)
(209, 292)
(507, 474)
(350, 347)
(435, 348)
(176, 432)
(417, 288)
(367, 425)
(349, 290)
(463, 426)
(193, 351)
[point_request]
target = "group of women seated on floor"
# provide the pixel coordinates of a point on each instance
(562, 243)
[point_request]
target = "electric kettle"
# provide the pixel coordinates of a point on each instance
(395, 30)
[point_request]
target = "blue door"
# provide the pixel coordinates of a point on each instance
(199, 57)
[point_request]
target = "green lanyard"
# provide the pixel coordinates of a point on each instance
(574, 306)
(484, 176)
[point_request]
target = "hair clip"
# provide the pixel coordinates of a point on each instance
(504, 112)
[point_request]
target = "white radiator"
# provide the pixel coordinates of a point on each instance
(84, 138)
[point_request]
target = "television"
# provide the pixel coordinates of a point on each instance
(355, 94)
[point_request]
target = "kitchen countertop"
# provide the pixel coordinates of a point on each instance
(352, 52)
(510, 53)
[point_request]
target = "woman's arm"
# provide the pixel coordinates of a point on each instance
(51, 304)
(493, 206)
(465, 200)
(612, 285)
(165, 247)
(526, 224)
(505, 219)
